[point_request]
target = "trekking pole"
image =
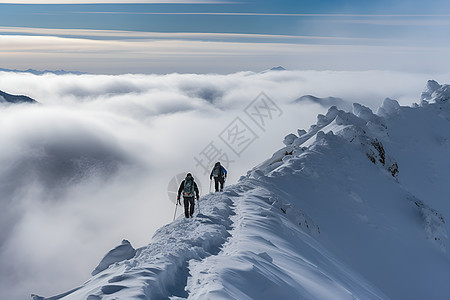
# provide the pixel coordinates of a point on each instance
(210, 182)
(175, 213)
(198, 203)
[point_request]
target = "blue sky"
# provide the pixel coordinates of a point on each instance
(221, 36)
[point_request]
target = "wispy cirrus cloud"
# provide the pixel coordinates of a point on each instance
(313, 15)
(416, 20)
(124, 34)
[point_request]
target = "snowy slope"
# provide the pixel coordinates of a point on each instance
(354, 208)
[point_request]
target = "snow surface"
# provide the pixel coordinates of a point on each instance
(354, 208)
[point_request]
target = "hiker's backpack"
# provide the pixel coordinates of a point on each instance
(189, 190)
(218, 171)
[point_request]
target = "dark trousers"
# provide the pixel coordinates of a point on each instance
(217, 181)
(189, 204)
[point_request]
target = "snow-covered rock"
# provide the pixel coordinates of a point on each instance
(289, 139)
(122, 252)
(389, 107)
(430, 88)
(441, 95)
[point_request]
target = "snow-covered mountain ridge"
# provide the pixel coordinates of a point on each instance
(353, 208)
(8, 98)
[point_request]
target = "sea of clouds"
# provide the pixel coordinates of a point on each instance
(91, 164)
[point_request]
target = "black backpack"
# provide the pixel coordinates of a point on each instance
(218, 171)
(189, 190)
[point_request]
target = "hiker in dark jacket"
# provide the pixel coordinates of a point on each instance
(190, 190)
(219, 173)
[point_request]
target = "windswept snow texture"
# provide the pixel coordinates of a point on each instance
(354, 208)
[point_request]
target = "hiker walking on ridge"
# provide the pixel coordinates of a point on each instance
(219, 173)
(190, 191)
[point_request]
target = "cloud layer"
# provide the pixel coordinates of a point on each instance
(91, 164)
(120, 51)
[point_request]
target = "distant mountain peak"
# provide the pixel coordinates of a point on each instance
(38, 72)
(274, 69)
(279, 68)
(8, 98)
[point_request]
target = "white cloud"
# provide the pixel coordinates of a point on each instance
(91, 165)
